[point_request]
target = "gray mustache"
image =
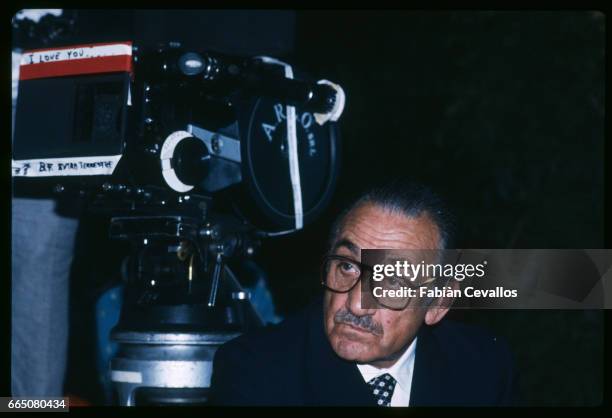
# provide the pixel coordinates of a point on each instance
(364, 322)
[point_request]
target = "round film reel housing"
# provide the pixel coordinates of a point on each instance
(269, 199)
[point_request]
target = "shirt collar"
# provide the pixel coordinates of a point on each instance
(401, 370)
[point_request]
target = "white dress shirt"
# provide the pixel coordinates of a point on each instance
(401, 372)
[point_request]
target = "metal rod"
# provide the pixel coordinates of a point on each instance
(215, 280)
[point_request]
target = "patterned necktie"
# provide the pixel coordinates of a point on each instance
(382, 388)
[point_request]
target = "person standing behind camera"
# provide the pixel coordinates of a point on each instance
(42, 247)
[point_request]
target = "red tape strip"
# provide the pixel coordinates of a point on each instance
(109, 64)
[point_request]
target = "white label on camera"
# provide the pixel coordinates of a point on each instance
(74, 53)
(126, 377)
(75, 166)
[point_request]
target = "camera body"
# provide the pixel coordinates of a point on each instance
(179, 122)
(195, 156)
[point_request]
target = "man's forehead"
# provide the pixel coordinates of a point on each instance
(347, 244)
(373, 227)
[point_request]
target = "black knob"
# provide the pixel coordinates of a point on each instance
(190, 161)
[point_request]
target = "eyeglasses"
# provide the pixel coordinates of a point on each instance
(340, 274)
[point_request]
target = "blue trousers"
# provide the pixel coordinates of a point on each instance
(42, 252)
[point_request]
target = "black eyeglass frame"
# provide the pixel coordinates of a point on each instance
(328, 257)
(362, 268)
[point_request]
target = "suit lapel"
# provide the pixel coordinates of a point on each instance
(428, 380)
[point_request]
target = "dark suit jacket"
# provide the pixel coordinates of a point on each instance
(293, 364)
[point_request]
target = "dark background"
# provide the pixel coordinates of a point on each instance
(501, 112)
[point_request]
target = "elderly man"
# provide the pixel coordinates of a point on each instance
(341, 353)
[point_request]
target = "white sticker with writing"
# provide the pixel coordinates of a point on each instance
(76, 166)
(75, 53)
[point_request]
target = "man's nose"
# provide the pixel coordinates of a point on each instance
(355, 304)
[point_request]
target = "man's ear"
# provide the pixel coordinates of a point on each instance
(440, 306)
(435, 315)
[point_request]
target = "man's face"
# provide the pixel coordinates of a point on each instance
(375, 336)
